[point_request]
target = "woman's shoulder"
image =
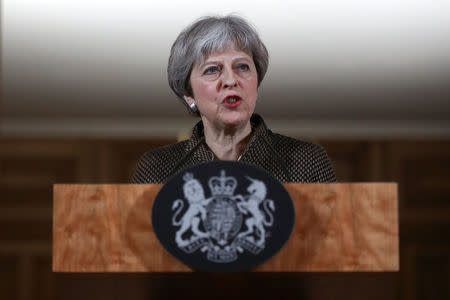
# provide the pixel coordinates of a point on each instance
(164, 152)
(283, 143)
(292, 145)
(156, 165)
(304, 157)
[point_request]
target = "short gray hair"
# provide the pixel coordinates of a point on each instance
(206, 36)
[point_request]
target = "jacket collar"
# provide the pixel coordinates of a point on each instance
(197, 140)
(260, 151)
(257, 122)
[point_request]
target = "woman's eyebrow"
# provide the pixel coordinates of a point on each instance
(217, 62)
(209, 62)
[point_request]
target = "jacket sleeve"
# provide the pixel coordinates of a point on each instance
(140, 175)
(148, 169)
(323, 170)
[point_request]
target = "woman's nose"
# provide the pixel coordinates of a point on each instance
(229, 79)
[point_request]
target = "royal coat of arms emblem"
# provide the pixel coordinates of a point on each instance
(223, 216)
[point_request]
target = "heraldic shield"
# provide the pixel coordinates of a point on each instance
(223, 216)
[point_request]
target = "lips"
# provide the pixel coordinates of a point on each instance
(232, 101)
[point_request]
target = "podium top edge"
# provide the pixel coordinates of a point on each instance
(284, 183)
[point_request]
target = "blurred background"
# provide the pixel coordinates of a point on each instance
(85, 93)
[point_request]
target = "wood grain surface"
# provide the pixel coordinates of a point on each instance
(338, 227)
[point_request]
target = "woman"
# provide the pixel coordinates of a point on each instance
(215, 67)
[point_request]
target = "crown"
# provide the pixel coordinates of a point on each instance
(222, 185)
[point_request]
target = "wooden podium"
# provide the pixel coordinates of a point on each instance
(338, 227)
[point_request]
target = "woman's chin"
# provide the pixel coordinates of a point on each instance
(235, 119)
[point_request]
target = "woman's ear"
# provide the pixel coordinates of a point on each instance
(191, 103)
(189, 100)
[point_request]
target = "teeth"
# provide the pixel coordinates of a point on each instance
(232, 100)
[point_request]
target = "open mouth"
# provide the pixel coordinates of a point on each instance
(232, 100)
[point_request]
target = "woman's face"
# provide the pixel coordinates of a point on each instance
(225, 88)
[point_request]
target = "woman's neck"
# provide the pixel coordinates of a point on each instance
(227, 143)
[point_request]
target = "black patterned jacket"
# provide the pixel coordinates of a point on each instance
(287, 159)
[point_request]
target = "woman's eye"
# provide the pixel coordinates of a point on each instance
(244, 67)
(211, 70)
